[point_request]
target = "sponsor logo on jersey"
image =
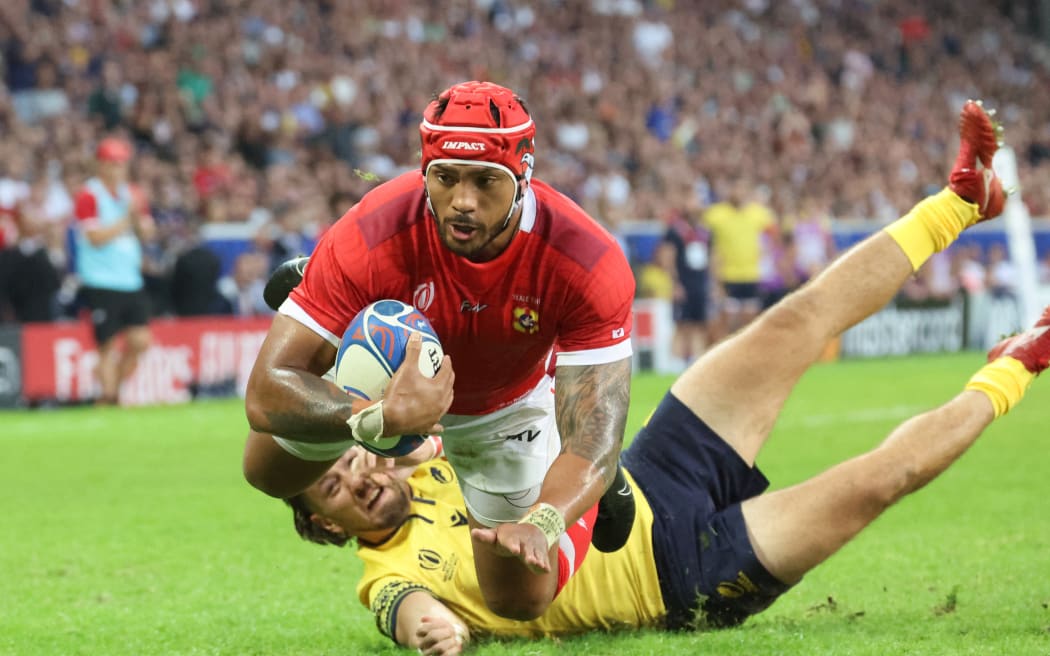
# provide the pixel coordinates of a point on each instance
(527, 300)
(429, 559)
(527, 435)
(738, 588)
(467, 306)
(617, 333)
(526, 320)
(470, 146)
(423, 296)
(439, 475)
(457, 519)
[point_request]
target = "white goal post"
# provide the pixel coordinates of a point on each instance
(1018, 227)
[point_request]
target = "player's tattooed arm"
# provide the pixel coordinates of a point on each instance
(307, 407)
(286, 395)
(591, 407)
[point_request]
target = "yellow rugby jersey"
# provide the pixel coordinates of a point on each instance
(736, 239)
(432, 551)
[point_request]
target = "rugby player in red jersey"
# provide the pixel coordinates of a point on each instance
(516, 279)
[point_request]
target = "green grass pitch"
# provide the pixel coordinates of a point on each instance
(132, 532)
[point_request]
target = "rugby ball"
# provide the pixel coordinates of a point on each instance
(373, 348)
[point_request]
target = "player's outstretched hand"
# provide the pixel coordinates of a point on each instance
(523, 541)
(412, 402)
(439, 637)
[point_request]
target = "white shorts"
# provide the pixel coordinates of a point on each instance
(501, 458)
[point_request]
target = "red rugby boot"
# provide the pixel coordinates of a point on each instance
(1031, 348)
(972, 177)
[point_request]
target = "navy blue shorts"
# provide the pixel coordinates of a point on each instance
(695, 482)
(694, 306)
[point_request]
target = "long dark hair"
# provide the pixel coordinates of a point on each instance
(308, 529)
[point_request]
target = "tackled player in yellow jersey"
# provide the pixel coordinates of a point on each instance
(424, 546)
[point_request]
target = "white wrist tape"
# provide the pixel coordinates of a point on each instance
(546, 518)
(367, 425)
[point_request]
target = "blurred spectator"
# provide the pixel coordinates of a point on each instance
(112, 221)
(690, 247)
(195, 282)
(212, 175)
(46, 99)
(941, 281)
(32, 277)
(781, 273)
(251, 138)
(14, 191)
(737, 225)
(656, 277)
(106, 102)
(36, 266)
(932, 284)
(1002, 274)
(814, 242)
(283, 238)
(243, 288)
(970, 267)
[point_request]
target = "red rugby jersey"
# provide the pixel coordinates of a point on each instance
(563, 279)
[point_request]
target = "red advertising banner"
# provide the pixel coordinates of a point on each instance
(59, 359)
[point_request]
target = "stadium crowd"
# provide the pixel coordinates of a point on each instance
(279, 115)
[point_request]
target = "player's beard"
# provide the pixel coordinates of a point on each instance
(468, 247)
(394, 508)
(473, 248)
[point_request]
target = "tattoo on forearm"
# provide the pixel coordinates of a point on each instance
(315, 413)
(591, 405)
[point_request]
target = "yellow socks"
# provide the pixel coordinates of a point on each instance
(932, 225)
(1004, 380)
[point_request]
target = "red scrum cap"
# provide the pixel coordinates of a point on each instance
(112, 149)
(479, 122)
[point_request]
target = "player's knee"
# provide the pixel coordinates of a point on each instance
(138, 341)
(794, 314)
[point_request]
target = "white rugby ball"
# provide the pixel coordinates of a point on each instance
(373, 348)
